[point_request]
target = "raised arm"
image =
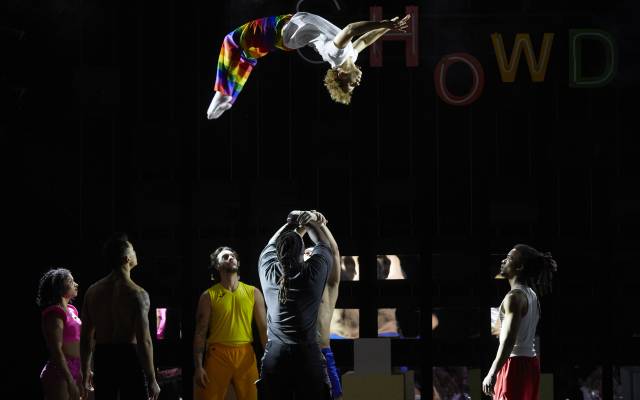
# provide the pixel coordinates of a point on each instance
(278, 232)
(363, 27)
(513, 305)
(144, 343)
(53, 327)
(330, 294)
(370, 37)
(203, 316)
(260, 316)
(310, 221)
(334, 276)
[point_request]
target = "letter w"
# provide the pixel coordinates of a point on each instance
(508, 69)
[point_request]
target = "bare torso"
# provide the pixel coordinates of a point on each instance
(325, 313)
(71, 349)
(112, 306)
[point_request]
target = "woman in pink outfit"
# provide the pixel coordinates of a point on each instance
(61, 378)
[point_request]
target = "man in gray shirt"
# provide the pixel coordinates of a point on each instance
(292, 287)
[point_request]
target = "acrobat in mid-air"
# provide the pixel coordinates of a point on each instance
(243, 46)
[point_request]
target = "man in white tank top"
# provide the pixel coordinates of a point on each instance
(515, 372)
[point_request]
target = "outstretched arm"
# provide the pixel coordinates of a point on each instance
(370, 37)
(363, 27)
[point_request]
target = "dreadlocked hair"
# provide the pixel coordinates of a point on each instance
(289, 247)
(539, 268)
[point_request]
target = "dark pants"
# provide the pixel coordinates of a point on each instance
(293, 371)
(117, 373)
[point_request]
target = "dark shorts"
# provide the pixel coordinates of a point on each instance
(117, 372)
(293, 371)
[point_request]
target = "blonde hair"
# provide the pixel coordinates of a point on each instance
(336, 87)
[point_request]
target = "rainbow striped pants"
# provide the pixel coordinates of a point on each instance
(241, 49)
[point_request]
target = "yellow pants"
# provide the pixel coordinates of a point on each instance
(229, 364)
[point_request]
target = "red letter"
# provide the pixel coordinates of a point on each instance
(440, 78)
(410, 38)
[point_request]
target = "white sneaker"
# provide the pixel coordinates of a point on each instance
(219, 105)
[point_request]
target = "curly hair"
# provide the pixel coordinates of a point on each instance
(539, 268)
(213, 266)
(336, 87)
(52, 287)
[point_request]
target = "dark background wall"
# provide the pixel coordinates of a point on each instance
(104, 129)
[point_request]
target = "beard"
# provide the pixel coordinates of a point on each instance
(229, 268)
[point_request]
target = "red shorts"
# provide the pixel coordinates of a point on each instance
(519, 379)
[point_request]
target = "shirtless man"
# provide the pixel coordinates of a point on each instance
(327, 306)
(116, 317)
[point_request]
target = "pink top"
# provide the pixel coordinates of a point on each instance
(72, 324)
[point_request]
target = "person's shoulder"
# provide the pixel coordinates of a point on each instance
(270, 247)
(207, 292)
(518, 293)
(53, 311)
(95, 286)
(514, 300)
(322, 247)
(139, 290)
(246, 286)
(139, 295)
(131, 287)
(268, 254)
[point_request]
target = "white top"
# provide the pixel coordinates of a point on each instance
(525, 341)
(304, 29)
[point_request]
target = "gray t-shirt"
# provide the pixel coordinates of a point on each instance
(295, 321)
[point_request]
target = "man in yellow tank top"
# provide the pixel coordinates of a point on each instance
(223, 329)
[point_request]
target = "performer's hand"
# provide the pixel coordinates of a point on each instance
(488, 383)
(292, 218)
(201, 377)
(397, 24)
(321, 219)
(74, 391)
(306, 217)
(87, 385)
(154, 391)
